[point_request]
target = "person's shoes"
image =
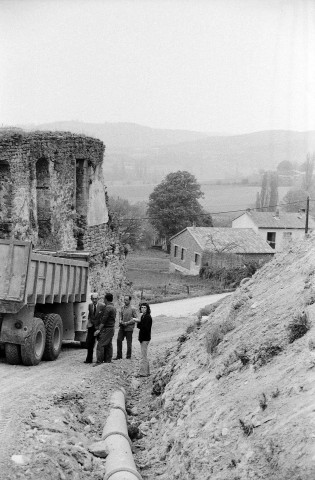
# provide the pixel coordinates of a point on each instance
(128, 358)
(117, 358)
(87, 361)
(97, 364)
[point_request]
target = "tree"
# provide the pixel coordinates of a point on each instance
(173, 204)
(294, 200)
(130, 222)
(268, 198)
(308, 167)
(285, 167)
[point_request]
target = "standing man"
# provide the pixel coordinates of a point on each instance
(105, 332)
(128, 316)
(95, 309)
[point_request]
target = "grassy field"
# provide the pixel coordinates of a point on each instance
(148, 272)
(217, 198)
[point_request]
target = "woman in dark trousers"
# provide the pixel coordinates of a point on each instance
(144, 325)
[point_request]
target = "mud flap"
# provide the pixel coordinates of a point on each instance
(17, 326)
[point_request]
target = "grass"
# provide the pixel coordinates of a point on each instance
(148, 272)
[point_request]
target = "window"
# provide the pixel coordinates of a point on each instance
(197, 259)
(175, 250)
(271, 239)
(182, 254)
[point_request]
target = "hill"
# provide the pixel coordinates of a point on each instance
(235, 397)
(135, 152)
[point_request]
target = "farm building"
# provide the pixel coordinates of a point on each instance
(191, 247)
(52, 193)
(276, 228)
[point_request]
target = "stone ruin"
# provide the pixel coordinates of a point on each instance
(52, 193)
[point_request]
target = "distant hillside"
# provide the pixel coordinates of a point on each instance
(124, 136)
(135, 152)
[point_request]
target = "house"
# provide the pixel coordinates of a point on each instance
(230, 246)
(276, 228)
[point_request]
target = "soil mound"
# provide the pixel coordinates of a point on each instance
(235, 397)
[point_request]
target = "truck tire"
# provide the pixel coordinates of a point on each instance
(33, 350)
(54, 334)
(13, 353)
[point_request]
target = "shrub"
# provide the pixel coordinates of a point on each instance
(298, 326)
(229, 275)
(216, 334)
(266, 352)
(213, 338)
(247, 428)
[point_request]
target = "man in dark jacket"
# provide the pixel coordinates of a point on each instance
(105, 332)
(95, 309)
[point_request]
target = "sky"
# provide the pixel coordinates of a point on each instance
(224, 66)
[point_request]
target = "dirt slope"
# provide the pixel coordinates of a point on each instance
(236, 397)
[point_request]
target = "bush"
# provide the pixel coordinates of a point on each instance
(298, 326)
(216, 334)
(229, 275)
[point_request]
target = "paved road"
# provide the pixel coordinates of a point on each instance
(186, 307)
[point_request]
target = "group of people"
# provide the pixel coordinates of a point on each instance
(101, 329)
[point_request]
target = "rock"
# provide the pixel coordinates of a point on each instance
(90, 419)
(134, 411)
(87, 428)
(224, 432)
(135, 383)
(21, 459)
(99, 449)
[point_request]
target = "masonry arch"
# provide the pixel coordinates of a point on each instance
(81, 199)
(43, 198)
(5, 198)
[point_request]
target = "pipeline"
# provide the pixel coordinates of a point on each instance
(119, 462)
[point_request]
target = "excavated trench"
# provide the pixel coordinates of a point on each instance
(52, 413)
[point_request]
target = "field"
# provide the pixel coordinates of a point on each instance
(217, 198)
(148, 272)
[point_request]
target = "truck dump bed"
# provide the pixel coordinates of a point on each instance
(27, 277)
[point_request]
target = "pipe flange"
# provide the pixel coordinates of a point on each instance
(117, 433)
(120, 408)
(123, 469)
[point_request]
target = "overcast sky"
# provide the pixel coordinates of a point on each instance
(232, 66)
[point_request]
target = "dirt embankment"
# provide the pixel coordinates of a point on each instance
(234, 399)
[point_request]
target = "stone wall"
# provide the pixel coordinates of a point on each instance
(52, 193)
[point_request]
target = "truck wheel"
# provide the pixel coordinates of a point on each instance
(13, 353)
(54, 334)
(33, 349)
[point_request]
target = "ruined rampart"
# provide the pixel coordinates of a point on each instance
(52, 193)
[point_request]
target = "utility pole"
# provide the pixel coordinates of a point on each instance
(307, 213)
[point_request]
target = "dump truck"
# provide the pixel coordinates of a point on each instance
(42, 301)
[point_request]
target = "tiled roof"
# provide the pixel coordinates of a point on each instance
(284, 220)
(233, 240)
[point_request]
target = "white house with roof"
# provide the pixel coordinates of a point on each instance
(276, 228)
(189, 247)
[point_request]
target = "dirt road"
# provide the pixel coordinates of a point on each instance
(51, 412)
